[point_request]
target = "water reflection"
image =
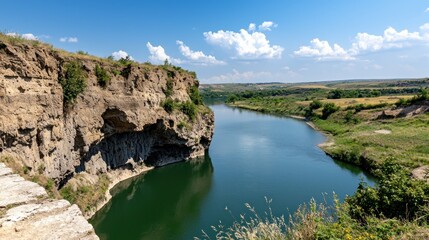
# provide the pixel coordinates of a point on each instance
(161, 208)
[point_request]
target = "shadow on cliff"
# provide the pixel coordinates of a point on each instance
(156, 145)
(162, 204)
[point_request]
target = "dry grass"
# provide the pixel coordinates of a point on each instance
(19, 168)
(346, 102)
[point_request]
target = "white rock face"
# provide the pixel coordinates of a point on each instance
(36, 216)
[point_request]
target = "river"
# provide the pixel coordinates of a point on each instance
(252, 156)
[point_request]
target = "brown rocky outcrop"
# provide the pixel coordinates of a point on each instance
(108, 128)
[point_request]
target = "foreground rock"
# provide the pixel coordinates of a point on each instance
(27, 213)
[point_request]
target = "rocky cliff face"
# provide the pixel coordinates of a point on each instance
(118, 126)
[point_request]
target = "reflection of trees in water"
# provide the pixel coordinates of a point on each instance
(159, 205)
(356, 171)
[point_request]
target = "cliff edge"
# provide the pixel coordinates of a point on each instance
(126, 115)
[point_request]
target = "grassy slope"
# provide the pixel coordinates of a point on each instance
(354, 140)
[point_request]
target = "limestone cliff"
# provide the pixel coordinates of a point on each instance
(117, 126)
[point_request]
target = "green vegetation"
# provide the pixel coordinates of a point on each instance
(38, 177)
(73, 81)
(103, 77)
(189, 108)
(196, 98)
(82, 52)
(397, 208)
(169, 105)
(87, 196)
(351, 113)
(168, 91)
(423, 95)
(328, 109)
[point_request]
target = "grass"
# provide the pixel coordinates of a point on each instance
(38, 177)
(353, 131)
(314, 220)
(86, 195)
(348, 102)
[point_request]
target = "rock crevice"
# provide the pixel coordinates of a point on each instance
(116, 126)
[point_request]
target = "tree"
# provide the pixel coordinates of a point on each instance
(328, 109)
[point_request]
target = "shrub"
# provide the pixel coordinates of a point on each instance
(87, 196)
(82, 52)
(328, 109)
(73, 81)
(315, 104)
(232, 98)
(397, 195)
(190, 109)
(103, 77)
(125, 61)
(195, 96)
(168, 91)
(168, 105)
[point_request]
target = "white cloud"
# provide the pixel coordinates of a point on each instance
(364, 42)
(322, 50)
(424, 27)
(266, 26)
(390, 39)
(69, 39)
(158, 55)
(120, 54)
(427, 10)
(252, 27)
(28, 36)
(12, 34)
(246, 45)
(197, 57)
(236, 76)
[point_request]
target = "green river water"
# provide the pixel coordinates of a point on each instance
(252, 156)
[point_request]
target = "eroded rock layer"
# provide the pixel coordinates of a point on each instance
(120, 125)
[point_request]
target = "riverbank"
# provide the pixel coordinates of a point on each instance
(115, 177)
(361, 137)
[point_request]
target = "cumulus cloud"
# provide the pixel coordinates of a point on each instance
(69, 39)
(427, 10)
(364, 42)
(158, 55)
(424, 28)
(391, 38)
(197, 57)
(252, 27)
(121, 54)
(237, 76)
(247, 45)
(266, 26)
(28, 36)
(322, 50)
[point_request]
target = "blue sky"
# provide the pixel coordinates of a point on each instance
(240, 41)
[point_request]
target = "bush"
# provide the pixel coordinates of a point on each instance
(232, 98)
(315, 104)
(328, 109)
(190, 109)
(73, 81)
(397, 195)
(103, 77)
(168, 91)
(195, 96)
(168, 105)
